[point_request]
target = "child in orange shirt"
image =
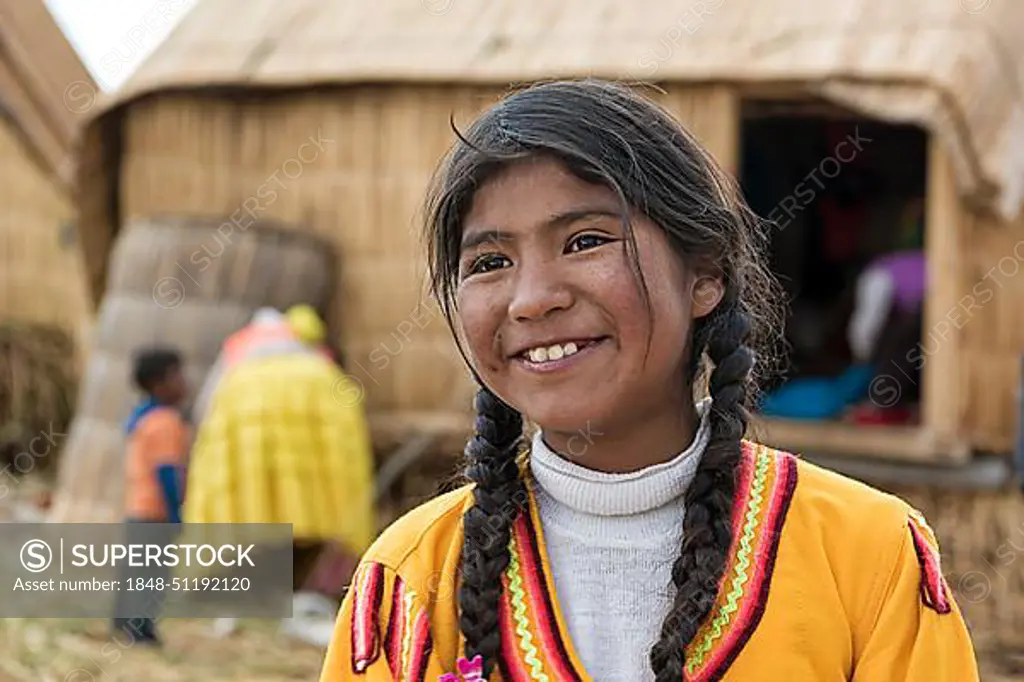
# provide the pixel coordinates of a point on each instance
(157, 445)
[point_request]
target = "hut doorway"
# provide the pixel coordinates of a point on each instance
(844, 197)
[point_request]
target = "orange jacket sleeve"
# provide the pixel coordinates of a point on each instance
(919, 634)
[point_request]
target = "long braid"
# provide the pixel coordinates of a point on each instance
(707, 528)
(498, 500)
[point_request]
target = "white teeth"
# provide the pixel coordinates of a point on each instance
(557, 352)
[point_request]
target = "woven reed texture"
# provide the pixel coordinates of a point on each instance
(362, 189)
(42, 278)
(45, 87)
(958, 58)
(989, 315)
(175, 281)
(950, 67)
(351, 166)
(981, 536)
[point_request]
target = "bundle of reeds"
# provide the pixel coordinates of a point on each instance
(37, 393)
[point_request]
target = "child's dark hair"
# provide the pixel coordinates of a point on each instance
(606, 133)
(152, 366)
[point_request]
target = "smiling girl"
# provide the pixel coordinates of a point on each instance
(601, 275)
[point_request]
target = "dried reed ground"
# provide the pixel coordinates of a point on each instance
(53, 650)
(84, 650)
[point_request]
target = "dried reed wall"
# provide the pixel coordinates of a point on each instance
(989, 315)
(367, 154)
(351, 165)
(42, 281)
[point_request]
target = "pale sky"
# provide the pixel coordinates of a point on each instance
(114, 36)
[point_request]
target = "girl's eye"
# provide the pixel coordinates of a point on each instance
(487, 263)
(583, 242)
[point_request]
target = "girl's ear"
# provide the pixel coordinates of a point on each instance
(705, 293)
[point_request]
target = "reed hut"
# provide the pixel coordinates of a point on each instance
(327, 117)
(44, 308)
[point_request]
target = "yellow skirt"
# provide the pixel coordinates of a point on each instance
(284, 442)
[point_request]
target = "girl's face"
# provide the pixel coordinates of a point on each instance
(552, 312)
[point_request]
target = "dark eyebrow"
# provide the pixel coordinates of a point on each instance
(473, 239)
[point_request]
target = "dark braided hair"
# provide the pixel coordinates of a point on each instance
(608, 134)
(492, 466)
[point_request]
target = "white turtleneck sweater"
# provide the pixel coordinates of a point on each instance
(611, 541)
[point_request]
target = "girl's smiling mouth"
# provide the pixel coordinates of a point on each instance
(553, 356)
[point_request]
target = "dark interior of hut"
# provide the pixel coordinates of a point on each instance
(844, 200)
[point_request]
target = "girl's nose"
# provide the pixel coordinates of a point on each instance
(538, 293)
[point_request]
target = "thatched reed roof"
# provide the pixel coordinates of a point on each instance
(44, 87)
(950, 65)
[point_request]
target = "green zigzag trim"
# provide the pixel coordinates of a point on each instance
(740, 574)
(515, 586)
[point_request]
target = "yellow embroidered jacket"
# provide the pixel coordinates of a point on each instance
(828, 580)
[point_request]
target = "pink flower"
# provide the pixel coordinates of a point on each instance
(469, 671)
(472, 670)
